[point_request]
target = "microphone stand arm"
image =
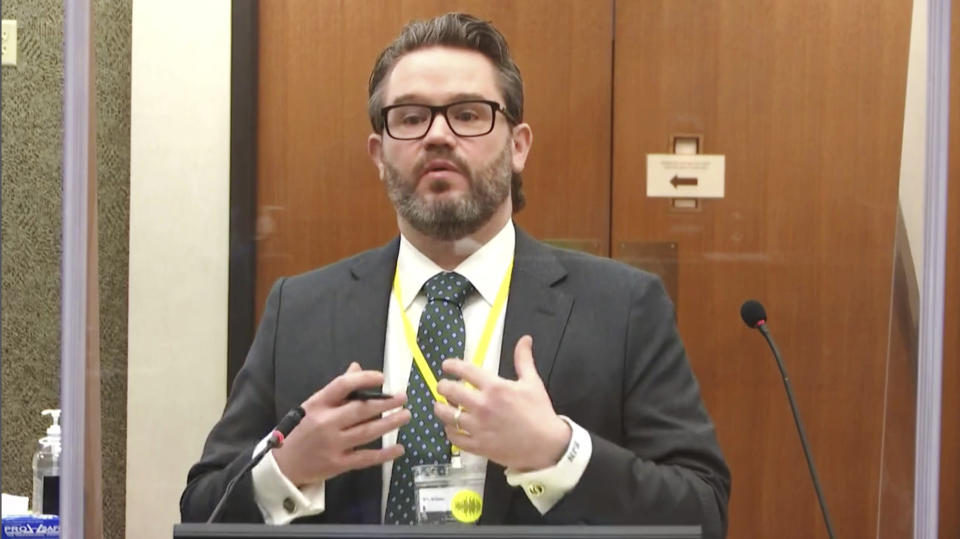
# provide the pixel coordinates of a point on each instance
(803, 436)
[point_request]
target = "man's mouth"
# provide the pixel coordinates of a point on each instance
(439, 167)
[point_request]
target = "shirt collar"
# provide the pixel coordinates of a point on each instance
(485, 268)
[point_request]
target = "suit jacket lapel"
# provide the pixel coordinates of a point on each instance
(360, 329)
(534, 308)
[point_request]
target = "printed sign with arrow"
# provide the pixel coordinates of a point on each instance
(677, 181)
(690, 176)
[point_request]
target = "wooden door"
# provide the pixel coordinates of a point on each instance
(804, 98)
(806, 101)
(319, 199)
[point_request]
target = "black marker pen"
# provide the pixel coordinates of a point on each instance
(366, 394)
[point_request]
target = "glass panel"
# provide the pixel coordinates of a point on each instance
(895, 508)
(812, 222)
(808, 222)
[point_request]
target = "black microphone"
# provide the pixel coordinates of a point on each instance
(755, 316)
(287, 424)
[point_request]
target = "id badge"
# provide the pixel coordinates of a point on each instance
(446, 494)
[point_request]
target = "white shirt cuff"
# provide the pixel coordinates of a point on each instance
(279, 500)
(546, 487)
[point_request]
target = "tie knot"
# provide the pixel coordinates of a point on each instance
(448, 286)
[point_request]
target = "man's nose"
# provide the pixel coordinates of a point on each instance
(439, 132)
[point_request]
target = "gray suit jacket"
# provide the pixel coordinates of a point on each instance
(605, 344)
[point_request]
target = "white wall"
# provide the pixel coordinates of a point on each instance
(179, 232)
(913, 152)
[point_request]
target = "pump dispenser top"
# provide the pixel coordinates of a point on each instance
(54, 429)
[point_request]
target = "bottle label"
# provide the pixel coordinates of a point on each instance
(51, 495)
(33, 526)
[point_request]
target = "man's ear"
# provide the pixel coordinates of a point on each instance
(520, 146)
(375, 150)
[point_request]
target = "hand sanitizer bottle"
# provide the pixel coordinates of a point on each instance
(46, 469)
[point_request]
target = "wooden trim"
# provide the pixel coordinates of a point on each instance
(92, 433)
(243, 184)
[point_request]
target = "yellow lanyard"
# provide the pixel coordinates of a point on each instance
(421, 362)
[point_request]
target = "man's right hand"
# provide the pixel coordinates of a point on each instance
(323, 444)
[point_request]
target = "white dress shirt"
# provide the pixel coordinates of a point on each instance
(485, 268)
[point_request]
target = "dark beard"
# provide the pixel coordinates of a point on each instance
(450, 220)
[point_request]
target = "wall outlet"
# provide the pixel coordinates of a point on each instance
(9, 42)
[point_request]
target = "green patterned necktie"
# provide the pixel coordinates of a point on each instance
(441, 336)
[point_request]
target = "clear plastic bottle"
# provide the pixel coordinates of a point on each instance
(46, 469)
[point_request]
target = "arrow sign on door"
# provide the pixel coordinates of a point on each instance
(676, 180)
(701, 176)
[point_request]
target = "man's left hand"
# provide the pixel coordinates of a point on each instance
(509, 422)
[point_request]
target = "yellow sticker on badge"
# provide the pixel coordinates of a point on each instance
(466, 506)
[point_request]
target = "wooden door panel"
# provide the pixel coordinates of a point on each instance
(805, 99)
(319, 199)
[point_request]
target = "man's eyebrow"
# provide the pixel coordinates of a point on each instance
(419, 99)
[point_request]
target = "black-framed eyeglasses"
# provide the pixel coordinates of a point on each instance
(466, 118)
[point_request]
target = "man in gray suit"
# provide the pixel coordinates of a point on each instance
(562, 378)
